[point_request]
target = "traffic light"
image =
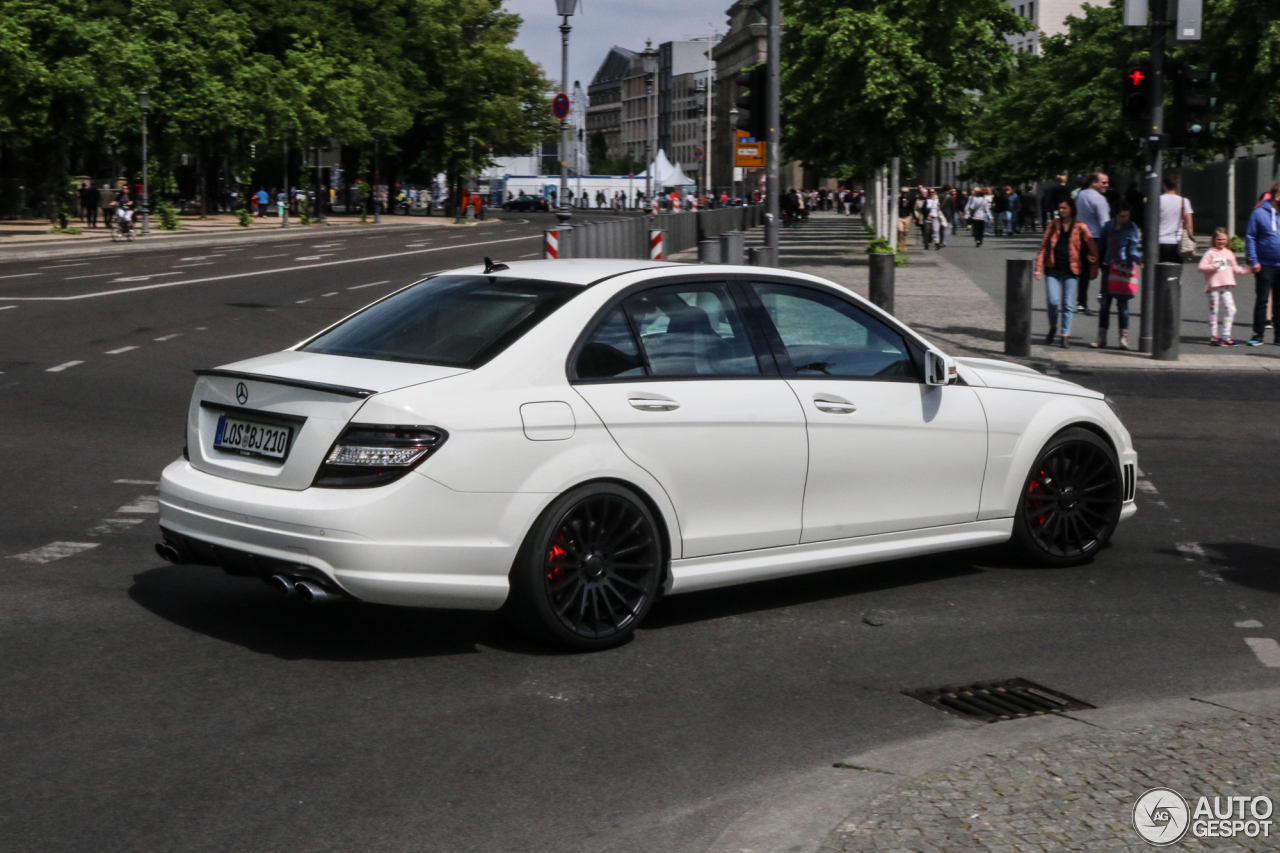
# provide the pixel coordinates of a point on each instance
(752, 113)
(1136, 90)
(1192, 106)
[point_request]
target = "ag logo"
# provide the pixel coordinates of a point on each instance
(1161, 816)
(242, 393)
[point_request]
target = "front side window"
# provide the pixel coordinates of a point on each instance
(826, 336)
(692, 330)
(452, 320)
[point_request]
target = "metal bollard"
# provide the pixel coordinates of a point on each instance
(1018, 291)
(708, 251)
(1166, 326)
(766, 256)
(881, 290)
(732, 247)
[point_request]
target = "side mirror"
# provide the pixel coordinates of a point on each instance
(939, 369)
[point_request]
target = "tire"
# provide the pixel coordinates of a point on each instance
(1070, 501)
(589, 570)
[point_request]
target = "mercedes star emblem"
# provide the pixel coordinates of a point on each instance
(242, 393)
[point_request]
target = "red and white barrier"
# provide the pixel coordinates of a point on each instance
(551, 245)
(655, 245)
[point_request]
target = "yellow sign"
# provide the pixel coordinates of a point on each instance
(748, 153)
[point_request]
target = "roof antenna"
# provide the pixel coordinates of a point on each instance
(490, 266)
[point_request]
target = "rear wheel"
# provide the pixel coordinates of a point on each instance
(589, 570)
(1070, 502)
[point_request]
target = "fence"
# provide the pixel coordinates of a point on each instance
(628, 236)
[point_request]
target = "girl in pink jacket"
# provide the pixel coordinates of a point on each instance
(1220, 269)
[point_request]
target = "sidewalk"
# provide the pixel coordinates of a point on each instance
(1049, 783)
(944, 302)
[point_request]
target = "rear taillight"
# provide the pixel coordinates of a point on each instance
(372, 455)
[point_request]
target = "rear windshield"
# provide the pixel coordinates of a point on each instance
(453, 320)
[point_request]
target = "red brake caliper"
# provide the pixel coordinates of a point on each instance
(556, 553)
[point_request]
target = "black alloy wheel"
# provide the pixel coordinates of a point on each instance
(1071, 499)
(590, 569)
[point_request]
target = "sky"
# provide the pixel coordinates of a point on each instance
(601, 24)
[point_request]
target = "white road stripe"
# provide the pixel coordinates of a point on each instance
(22, 275)
(147, 277)
(64, 266)
(138, 482)
(189, 266)
(314, 257)
(259, 272)
(5, 307)
(63, 366)
(54, 551)
(1192, 551)
(169, 337)
(335, 293)
(531, 255)
(1249, 623)
(1267, 650)
(372, 284)
(263, 257)
(95, 275)
(117, 352)
(300, 301)
(145, 504)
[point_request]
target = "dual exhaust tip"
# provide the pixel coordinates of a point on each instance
(309, 591)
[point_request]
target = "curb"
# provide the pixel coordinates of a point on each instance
(798, 813)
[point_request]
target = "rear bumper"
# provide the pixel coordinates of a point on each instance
(413, 542)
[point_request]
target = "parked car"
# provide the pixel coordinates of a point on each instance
(525, 202)
(571, 440)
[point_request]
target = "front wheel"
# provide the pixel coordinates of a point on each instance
(1070, 503)
(589, 570)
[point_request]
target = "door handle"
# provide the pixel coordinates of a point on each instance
(645, 404)
(834, 406)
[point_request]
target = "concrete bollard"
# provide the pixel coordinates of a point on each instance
(708, 251)
(732, 247)
(881, 290)
(766, 256)
(1018, 290)
(1166, 326)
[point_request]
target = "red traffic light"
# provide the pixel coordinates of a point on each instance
(1136, 76)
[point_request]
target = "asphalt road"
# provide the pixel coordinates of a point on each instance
(148, 707)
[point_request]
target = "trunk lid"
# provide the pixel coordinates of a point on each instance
(312, 395)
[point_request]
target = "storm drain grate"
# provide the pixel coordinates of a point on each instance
(993, 701)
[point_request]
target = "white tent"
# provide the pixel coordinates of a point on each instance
(665, 174)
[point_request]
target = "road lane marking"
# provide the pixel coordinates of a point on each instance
(335, 293)
(117, 352)
(53, 551)
(372, 284)
(62, 367)
(145, 504)
(169, 337)
(1192, 551)
(300, 301)
(1249, 623)
(7, 307)
(277, 271)
(147, 277)
(188, 266)
(314, 257)
(263, 257)
(22, 275)
(531, 255)
(1266, 649)
(138, 482)
(64, 266)
(95, 275)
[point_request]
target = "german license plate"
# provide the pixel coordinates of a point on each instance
(249, 438)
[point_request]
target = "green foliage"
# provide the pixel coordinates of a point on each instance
(70, 229)
(167, 216)
(864, 81)
(245, 217)
(880, 246)
(1236, 244)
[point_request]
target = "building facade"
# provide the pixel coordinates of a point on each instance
(638, 135)
(682, 102)
(604, 97)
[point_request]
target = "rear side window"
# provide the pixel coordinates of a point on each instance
(611, 352)
(451, 320)
(826, 336)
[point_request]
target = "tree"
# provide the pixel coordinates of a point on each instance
(864, 81)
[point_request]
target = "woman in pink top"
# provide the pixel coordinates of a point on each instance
(1220, 269)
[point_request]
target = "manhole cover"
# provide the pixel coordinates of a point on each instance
(993, 701)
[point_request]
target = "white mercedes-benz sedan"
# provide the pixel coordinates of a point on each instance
(570, 440)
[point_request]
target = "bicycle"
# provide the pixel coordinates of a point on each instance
(122, 226)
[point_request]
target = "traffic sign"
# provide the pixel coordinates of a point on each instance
(699, 153)
(748, 153)
(560, 106)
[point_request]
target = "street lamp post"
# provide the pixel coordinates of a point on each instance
(650, 60)
(144, 102)
(565, 9)
(733, 175)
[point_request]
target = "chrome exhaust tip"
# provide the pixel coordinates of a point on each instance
(281, 584)
(313, 594)
(169, 553)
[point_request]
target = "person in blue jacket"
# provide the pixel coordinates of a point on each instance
(1262, 256)
(1119, 251)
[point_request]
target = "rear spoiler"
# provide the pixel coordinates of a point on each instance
(341, 390)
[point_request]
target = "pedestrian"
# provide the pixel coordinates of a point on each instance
(1175, 222)
(1094, 213)
(979, 212)
(1262, 254)
(906, 212)
(106, 201)
(1000, 207)
(957, 209)
(1066, 250)
(90, 201)
(947, 212)
(1220, 268)
(263, 199)
(1120, 250)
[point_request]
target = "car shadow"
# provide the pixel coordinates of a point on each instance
(246, 612)
(1247, 564)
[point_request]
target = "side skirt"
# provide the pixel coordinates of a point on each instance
(743, 566)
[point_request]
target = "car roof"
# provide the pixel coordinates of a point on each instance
(581, 271)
